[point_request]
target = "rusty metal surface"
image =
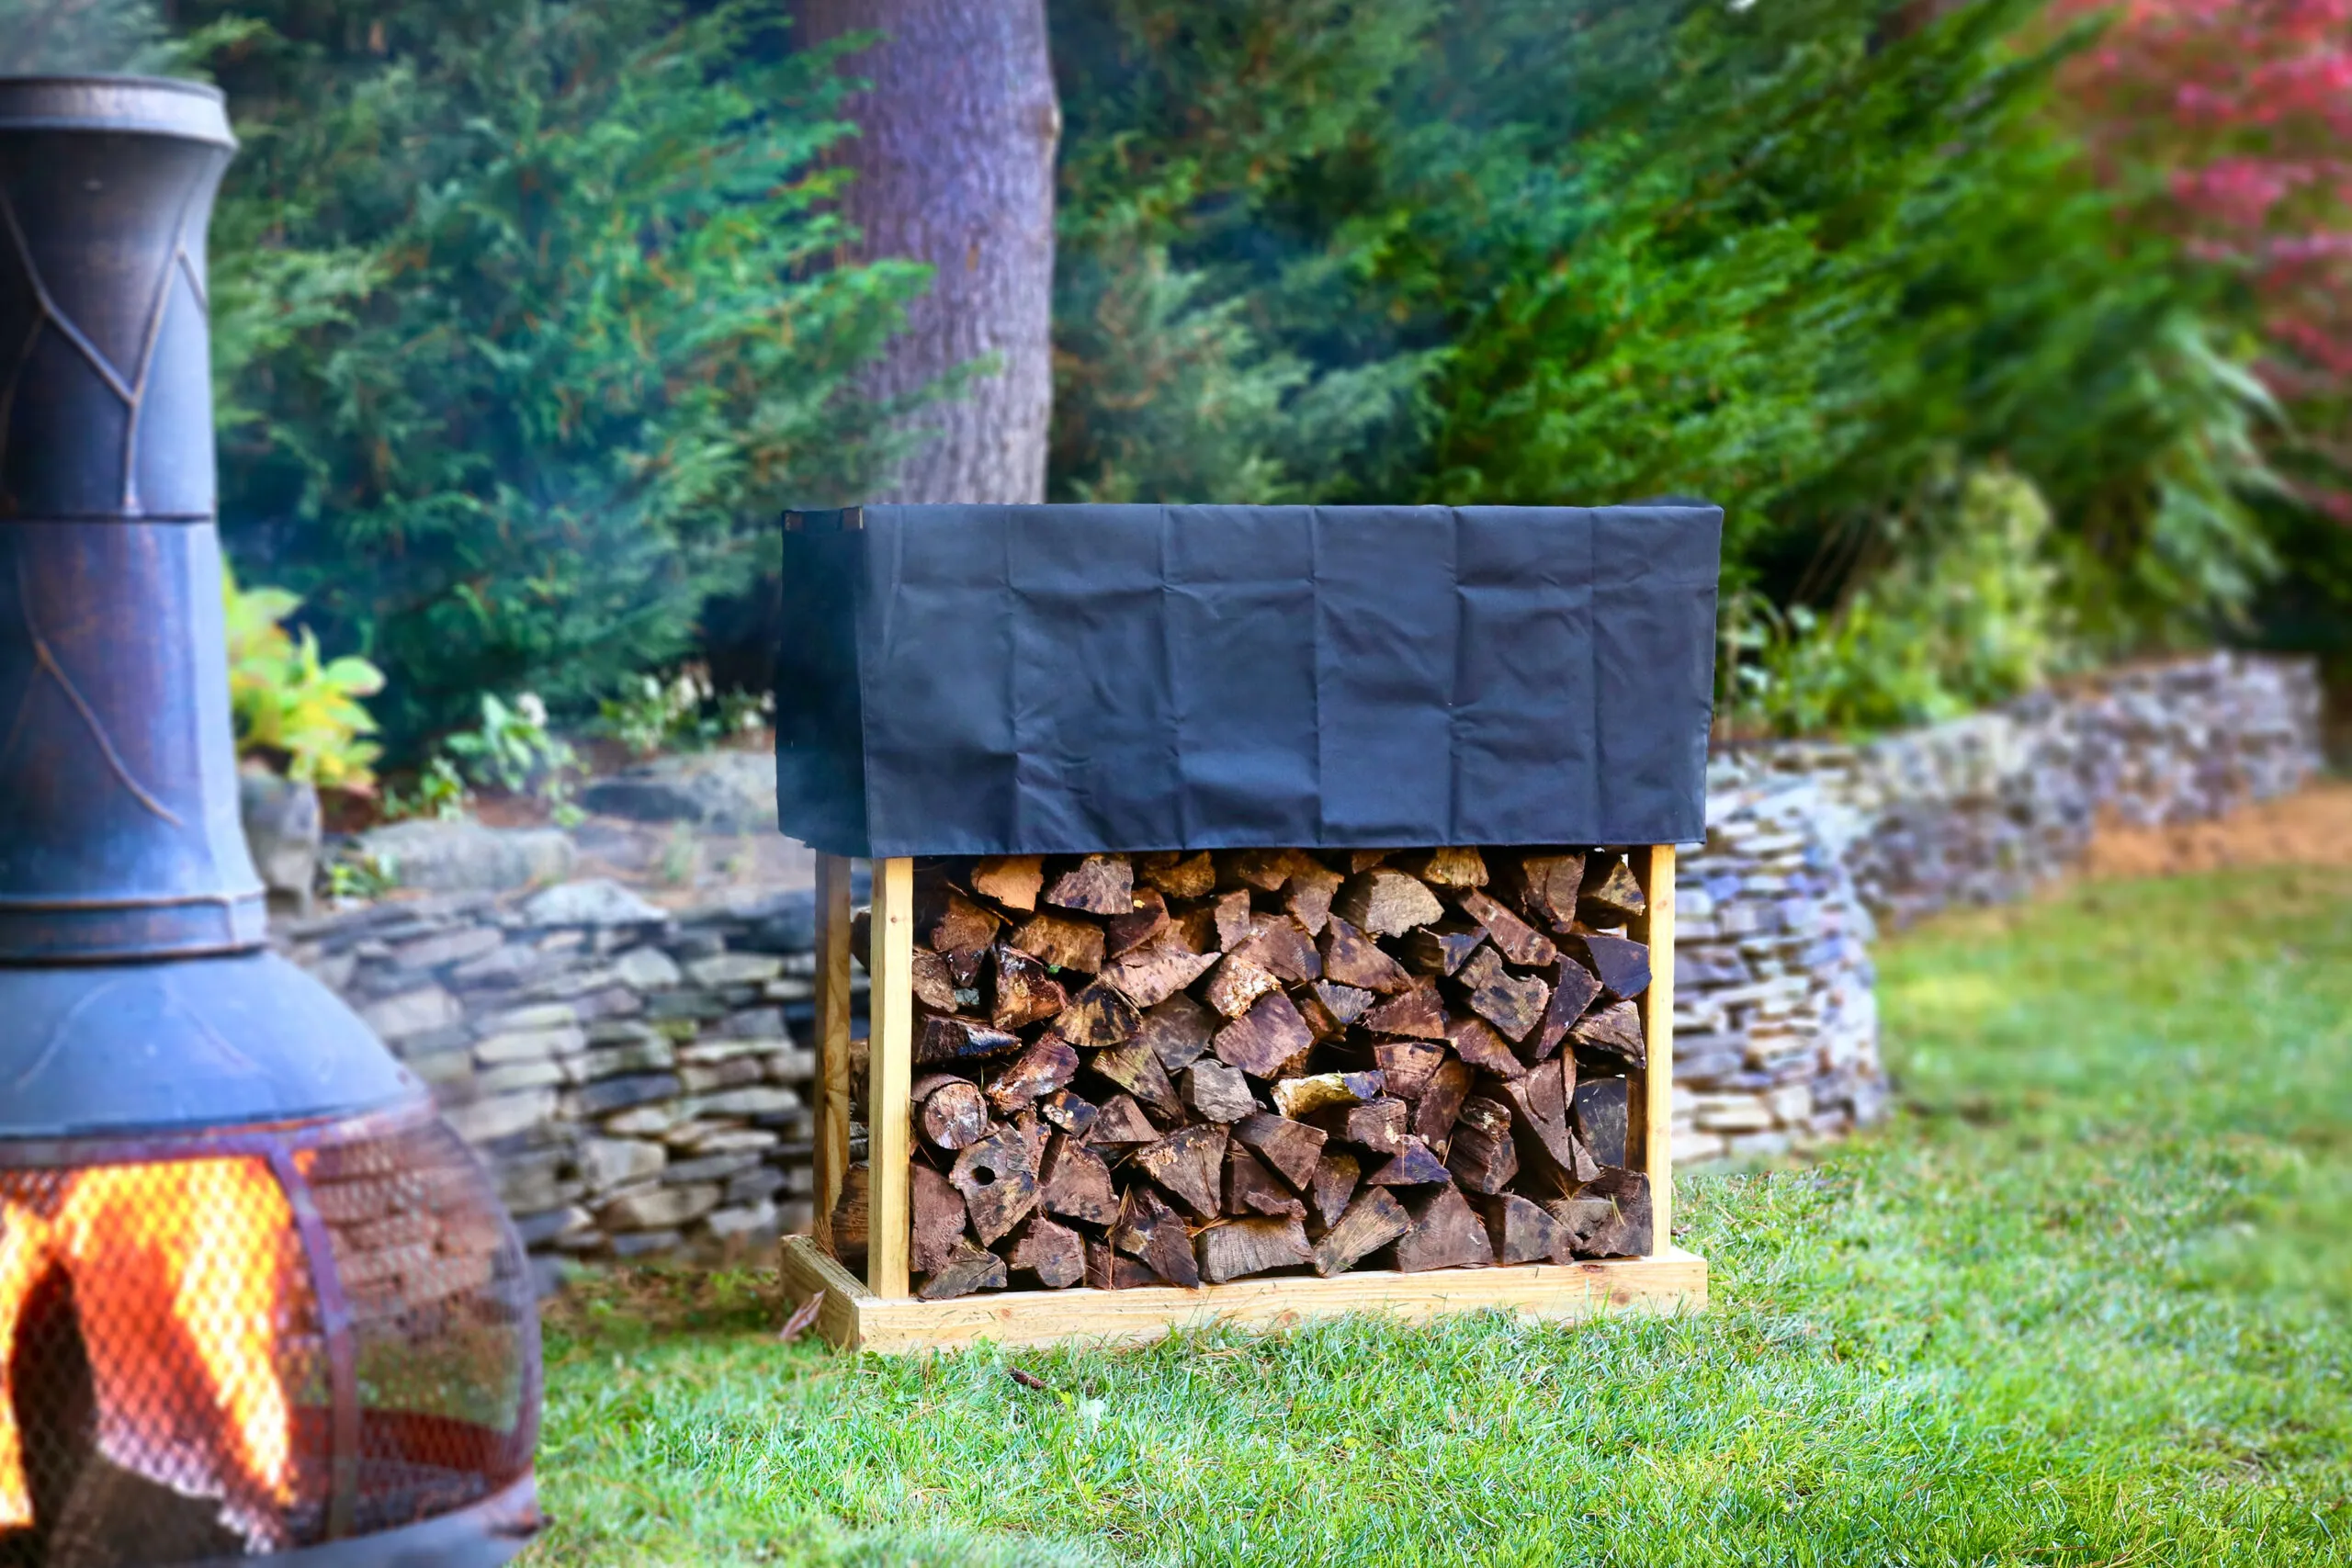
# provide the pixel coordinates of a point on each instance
(119, 837)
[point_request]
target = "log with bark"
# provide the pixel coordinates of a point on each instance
(1182, 1067)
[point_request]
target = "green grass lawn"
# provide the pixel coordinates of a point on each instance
(2089, 1301)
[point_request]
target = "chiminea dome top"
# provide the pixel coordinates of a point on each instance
(1028, 680)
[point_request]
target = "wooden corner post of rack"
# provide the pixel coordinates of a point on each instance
(1655, 1115)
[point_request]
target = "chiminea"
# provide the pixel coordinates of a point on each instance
(257, 1301)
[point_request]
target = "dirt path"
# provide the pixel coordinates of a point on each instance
(2314, 828)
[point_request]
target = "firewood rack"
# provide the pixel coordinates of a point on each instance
(877, 1312)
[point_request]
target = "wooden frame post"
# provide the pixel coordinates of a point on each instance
(890, 1050)
(832, 1042)
(1656, 1115)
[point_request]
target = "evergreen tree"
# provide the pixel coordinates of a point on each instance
(523, 327)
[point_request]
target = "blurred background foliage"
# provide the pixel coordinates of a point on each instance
(2010, 333)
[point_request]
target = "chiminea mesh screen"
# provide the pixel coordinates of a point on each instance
(254, 1341)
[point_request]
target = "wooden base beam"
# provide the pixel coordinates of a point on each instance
(857, 1319)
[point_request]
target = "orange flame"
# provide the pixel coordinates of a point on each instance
(178, 1272)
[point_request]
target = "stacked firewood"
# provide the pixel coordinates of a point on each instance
(1181, 1069)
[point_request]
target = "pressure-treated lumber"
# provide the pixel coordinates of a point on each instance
(889, 1130)
(832, 1027)
(1655, 1154)
(855, 1319)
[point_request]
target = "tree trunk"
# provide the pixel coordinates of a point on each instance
(954, 168)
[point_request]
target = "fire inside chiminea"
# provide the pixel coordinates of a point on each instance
(173, 1331)
(258, 1300)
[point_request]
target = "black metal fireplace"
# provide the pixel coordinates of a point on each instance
(257, 1301)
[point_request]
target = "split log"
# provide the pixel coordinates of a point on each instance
(1120, 1121)
(1441, 1101)
(1062, 942)
(1214, 1092)
(1476, 1043)
(1539, 1122)
(1482, 1155)
(1075, 1183)
(1280, 945)
(1418, 1013)
(1263, 870)
(1608, 1217)
(999, 1182)
(1574, 987)
(1336, 1176)
(1443, 948)
(950, 1113)
(861, 939)
(967, 1269)
(1011, 880)
(1624, 966)
(1364, 860)
(932, 982)
(1368, 1224)
(1405, 1065)
(1048, 1066)
(1147, 1228)
(1251, 1189)
(1350, 958)
(1133, 1067)
(1513, 1003)
(1025, 992)
(1321, 1023)
(1110, 1269)
(1035, 1136)
(1611, 896)
(1067, 1111)
(1513, 937)
(1308, 894)
(1178, 1031)
(1602, 1118)
(1522, 1232)
(1054, 1254)
(1415, 1165)
(1196, 927)
(937, 1216)
(1387, 902)
(958, 1040)
(1235, 984)
(1447, 868)
(960, 931)
(1545, 886)
(1269, 1034)
(1346, 1003)
(851, 1213)
(1613, 1032)
(1378, 1127)
(1178, 875)
(1099, 884)
(1153, 973)
(1143, 924)
(1292, 1147)
(1296, 1097)
(1189, 1165)
(1239, 1248)
(1446, 1234)
(1099, 1016)
(1230, 916)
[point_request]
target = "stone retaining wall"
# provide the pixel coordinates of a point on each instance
(1813, 847)
(641, 1080)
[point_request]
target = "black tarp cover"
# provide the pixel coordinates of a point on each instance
(1012, 679)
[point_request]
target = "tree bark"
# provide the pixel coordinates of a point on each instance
(954, 166)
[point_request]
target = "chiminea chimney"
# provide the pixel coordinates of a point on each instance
(219, 1195)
